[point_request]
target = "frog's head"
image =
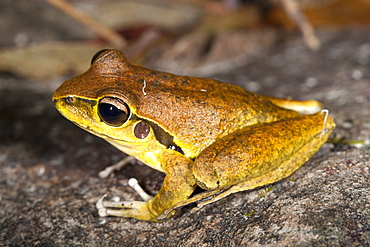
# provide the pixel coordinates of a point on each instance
(96, 102)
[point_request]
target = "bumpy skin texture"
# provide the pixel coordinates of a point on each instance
(227, 139)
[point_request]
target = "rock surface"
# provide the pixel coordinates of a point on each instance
(49, 167)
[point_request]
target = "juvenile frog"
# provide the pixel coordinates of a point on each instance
(198, 131)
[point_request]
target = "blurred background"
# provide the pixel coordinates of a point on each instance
(47, 39)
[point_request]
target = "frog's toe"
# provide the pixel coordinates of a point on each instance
(116, 167)
(102, 212)
(129, 209)
(133, 183)
(99, 204)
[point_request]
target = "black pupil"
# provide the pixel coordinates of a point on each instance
(112, 114)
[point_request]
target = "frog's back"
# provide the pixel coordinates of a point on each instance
(197, 111)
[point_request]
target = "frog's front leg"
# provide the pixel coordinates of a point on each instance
(257, 156)
(177, 186)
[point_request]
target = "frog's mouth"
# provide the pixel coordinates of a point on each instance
(104, 136)
(125, 146)
(80, 111)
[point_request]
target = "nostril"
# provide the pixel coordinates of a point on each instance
(69, 100)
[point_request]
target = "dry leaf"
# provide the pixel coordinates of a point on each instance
(47, 60)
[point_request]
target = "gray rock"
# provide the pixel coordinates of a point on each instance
(49, 183)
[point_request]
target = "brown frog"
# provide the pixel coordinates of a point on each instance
(198, 131)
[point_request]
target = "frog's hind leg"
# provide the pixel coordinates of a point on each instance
(283, 170)
(257, 156)
(302, 107)
(211, 196)
(198, 198)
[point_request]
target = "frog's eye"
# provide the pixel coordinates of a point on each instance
(97, 55)
(113, 111)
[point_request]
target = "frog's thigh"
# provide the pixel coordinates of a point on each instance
(260, 155)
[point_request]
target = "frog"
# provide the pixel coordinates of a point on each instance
(200, 132)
